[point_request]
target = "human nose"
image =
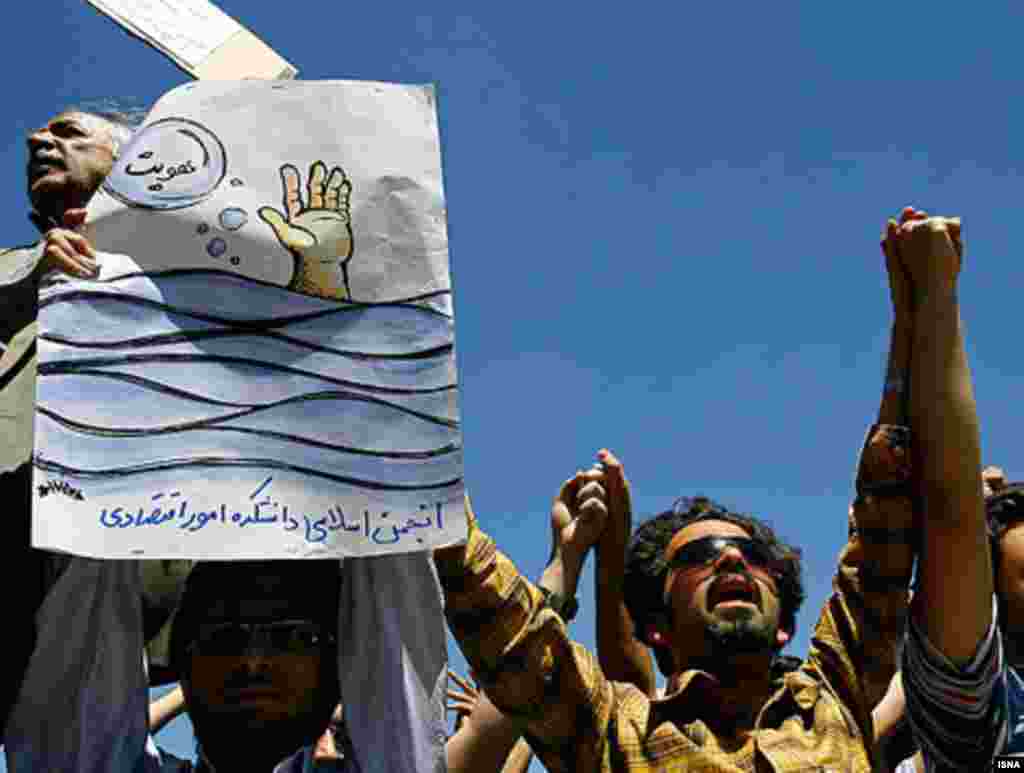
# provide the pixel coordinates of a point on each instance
(41, 138)
(730, 556)
(254, 661)
(260, 643)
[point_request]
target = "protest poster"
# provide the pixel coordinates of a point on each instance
(265, 365)
(198, 37)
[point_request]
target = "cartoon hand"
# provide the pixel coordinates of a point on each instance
(319, 234)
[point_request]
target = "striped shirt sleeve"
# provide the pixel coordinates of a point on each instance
(957, 714)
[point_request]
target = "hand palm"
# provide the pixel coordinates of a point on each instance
(318, 234)
(567, 531)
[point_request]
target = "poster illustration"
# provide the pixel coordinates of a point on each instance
(265, 365)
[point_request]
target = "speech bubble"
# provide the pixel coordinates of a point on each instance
(170, 164)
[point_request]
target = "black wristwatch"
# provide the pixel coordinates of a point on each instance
(566, 608)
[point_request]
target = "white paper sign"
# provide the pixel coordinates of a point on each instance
(265, 366)
(195, 34)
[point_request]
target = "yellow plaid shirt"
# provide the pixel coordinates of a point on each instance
(819, 717)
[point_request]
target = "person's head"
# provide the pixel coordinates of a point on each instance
(1004, 511)
(704, 583)
(254, 645)
(68, 159)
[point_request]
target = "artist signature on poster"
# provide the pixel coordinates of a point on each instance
(172, 508)
(60, 487)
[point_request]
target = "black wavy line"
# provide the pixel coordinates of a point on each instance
(212, 426)
(186, 336)
(171, 273)
(259, 324)
(213, 461)
(9, 375)
(252, 408)
(158, 387)
(72, 367)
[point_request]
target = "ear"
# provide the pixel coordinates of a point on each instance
(658, 635)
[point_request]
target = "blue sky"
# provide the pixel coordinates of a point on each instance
(664, 226)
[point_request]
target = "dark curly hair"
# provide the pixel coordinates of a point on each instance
(1003, 509)
(646, 568)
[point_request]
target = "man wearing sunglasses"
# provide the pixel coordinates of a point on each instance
(255, 647)
(716, 595)
(742, 583)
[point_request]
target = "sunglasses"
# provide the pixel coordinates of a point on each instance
(702, 552)
(286, 637)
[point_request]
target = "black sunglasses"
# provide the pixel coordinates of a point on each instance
(703, 551)
(286, 637)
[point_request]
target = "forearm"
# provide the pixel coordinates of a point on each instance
(955, 570)
(562, 574)
(855, 637)
(895, 391)
(470, 753)
(484, 741)
(622, 656)
(888, 714)
(489, 740)
(519, 649)
(943, 413)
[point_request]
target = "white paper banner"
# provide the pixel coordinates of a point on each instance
(191, 32)
(265, 366)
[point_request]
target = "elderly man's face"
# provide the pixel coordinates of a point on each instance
(68, 159)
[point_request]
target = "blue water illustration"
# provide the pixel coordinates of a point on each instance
(146, 376)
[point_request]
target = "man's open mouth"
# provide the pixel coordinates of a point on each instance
(41, 165)
(731, 589)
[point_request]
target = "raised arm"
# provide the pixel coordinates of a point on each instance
(519, 648)
(951, 660)
(622, 656)
(955, 570)
(860, 624)
(486, 740)
(571, 540)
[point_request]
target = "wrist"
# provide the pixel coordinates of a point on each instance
(931, 288)
(562, 573)
(903, 315)
(566, 606)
